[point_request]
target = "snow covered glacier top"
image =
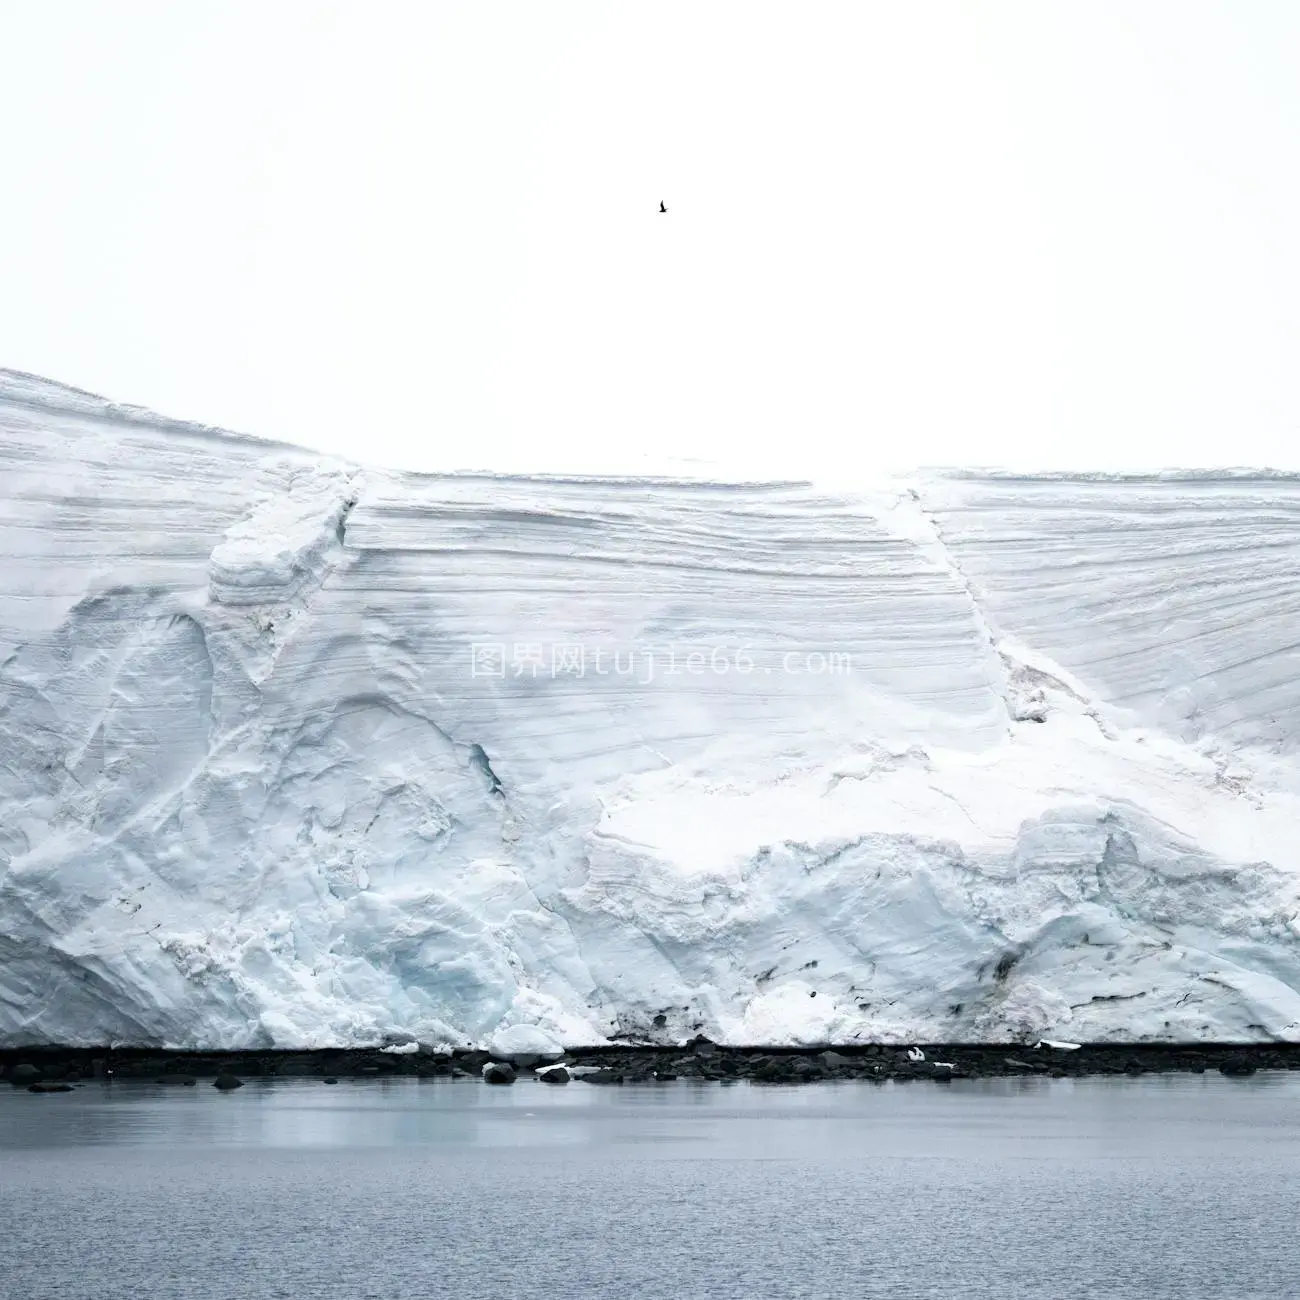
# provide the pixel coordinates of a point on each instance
(298, 753)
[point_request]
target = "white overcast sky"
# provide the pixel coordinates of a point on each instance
(426, 234)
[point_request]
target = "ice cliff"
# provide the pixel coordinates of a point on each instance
(298, 753)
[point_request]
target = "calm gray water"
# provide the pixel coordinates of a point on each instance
(1180, 1187)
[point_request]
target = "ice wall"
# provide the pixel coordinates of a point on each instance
(298, 753)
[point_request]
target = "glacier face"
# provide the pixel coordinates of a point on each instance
(298, 753)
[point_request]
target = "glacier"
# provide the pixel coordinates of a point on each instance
(300, 753)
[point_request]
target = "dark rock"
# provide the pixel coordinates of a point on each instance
(553, 1074)
(1237, 1067)
(296, 1066)
(329, 1079)
(498, 1072)
(665, 1076)
(227, 1082)
(602, 1076)
(701, 1059)
(49, 1087)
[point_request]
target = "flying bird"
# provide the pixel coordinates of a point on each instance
(661, 206)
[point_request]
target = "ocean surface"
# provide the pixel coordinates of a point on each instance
(1160, 1186)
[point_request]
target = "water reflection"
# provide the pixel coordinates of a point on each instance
(1033, 1119)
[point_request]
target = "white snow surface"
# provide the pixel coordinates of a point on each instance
(254, 794)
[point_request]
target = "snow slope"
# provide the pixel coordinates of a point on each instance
(258, 788)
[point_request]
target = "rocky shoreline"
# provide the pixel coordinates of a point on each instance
(39, 1068)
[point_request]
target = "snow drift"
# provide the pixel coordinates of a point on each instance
(295, 753)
